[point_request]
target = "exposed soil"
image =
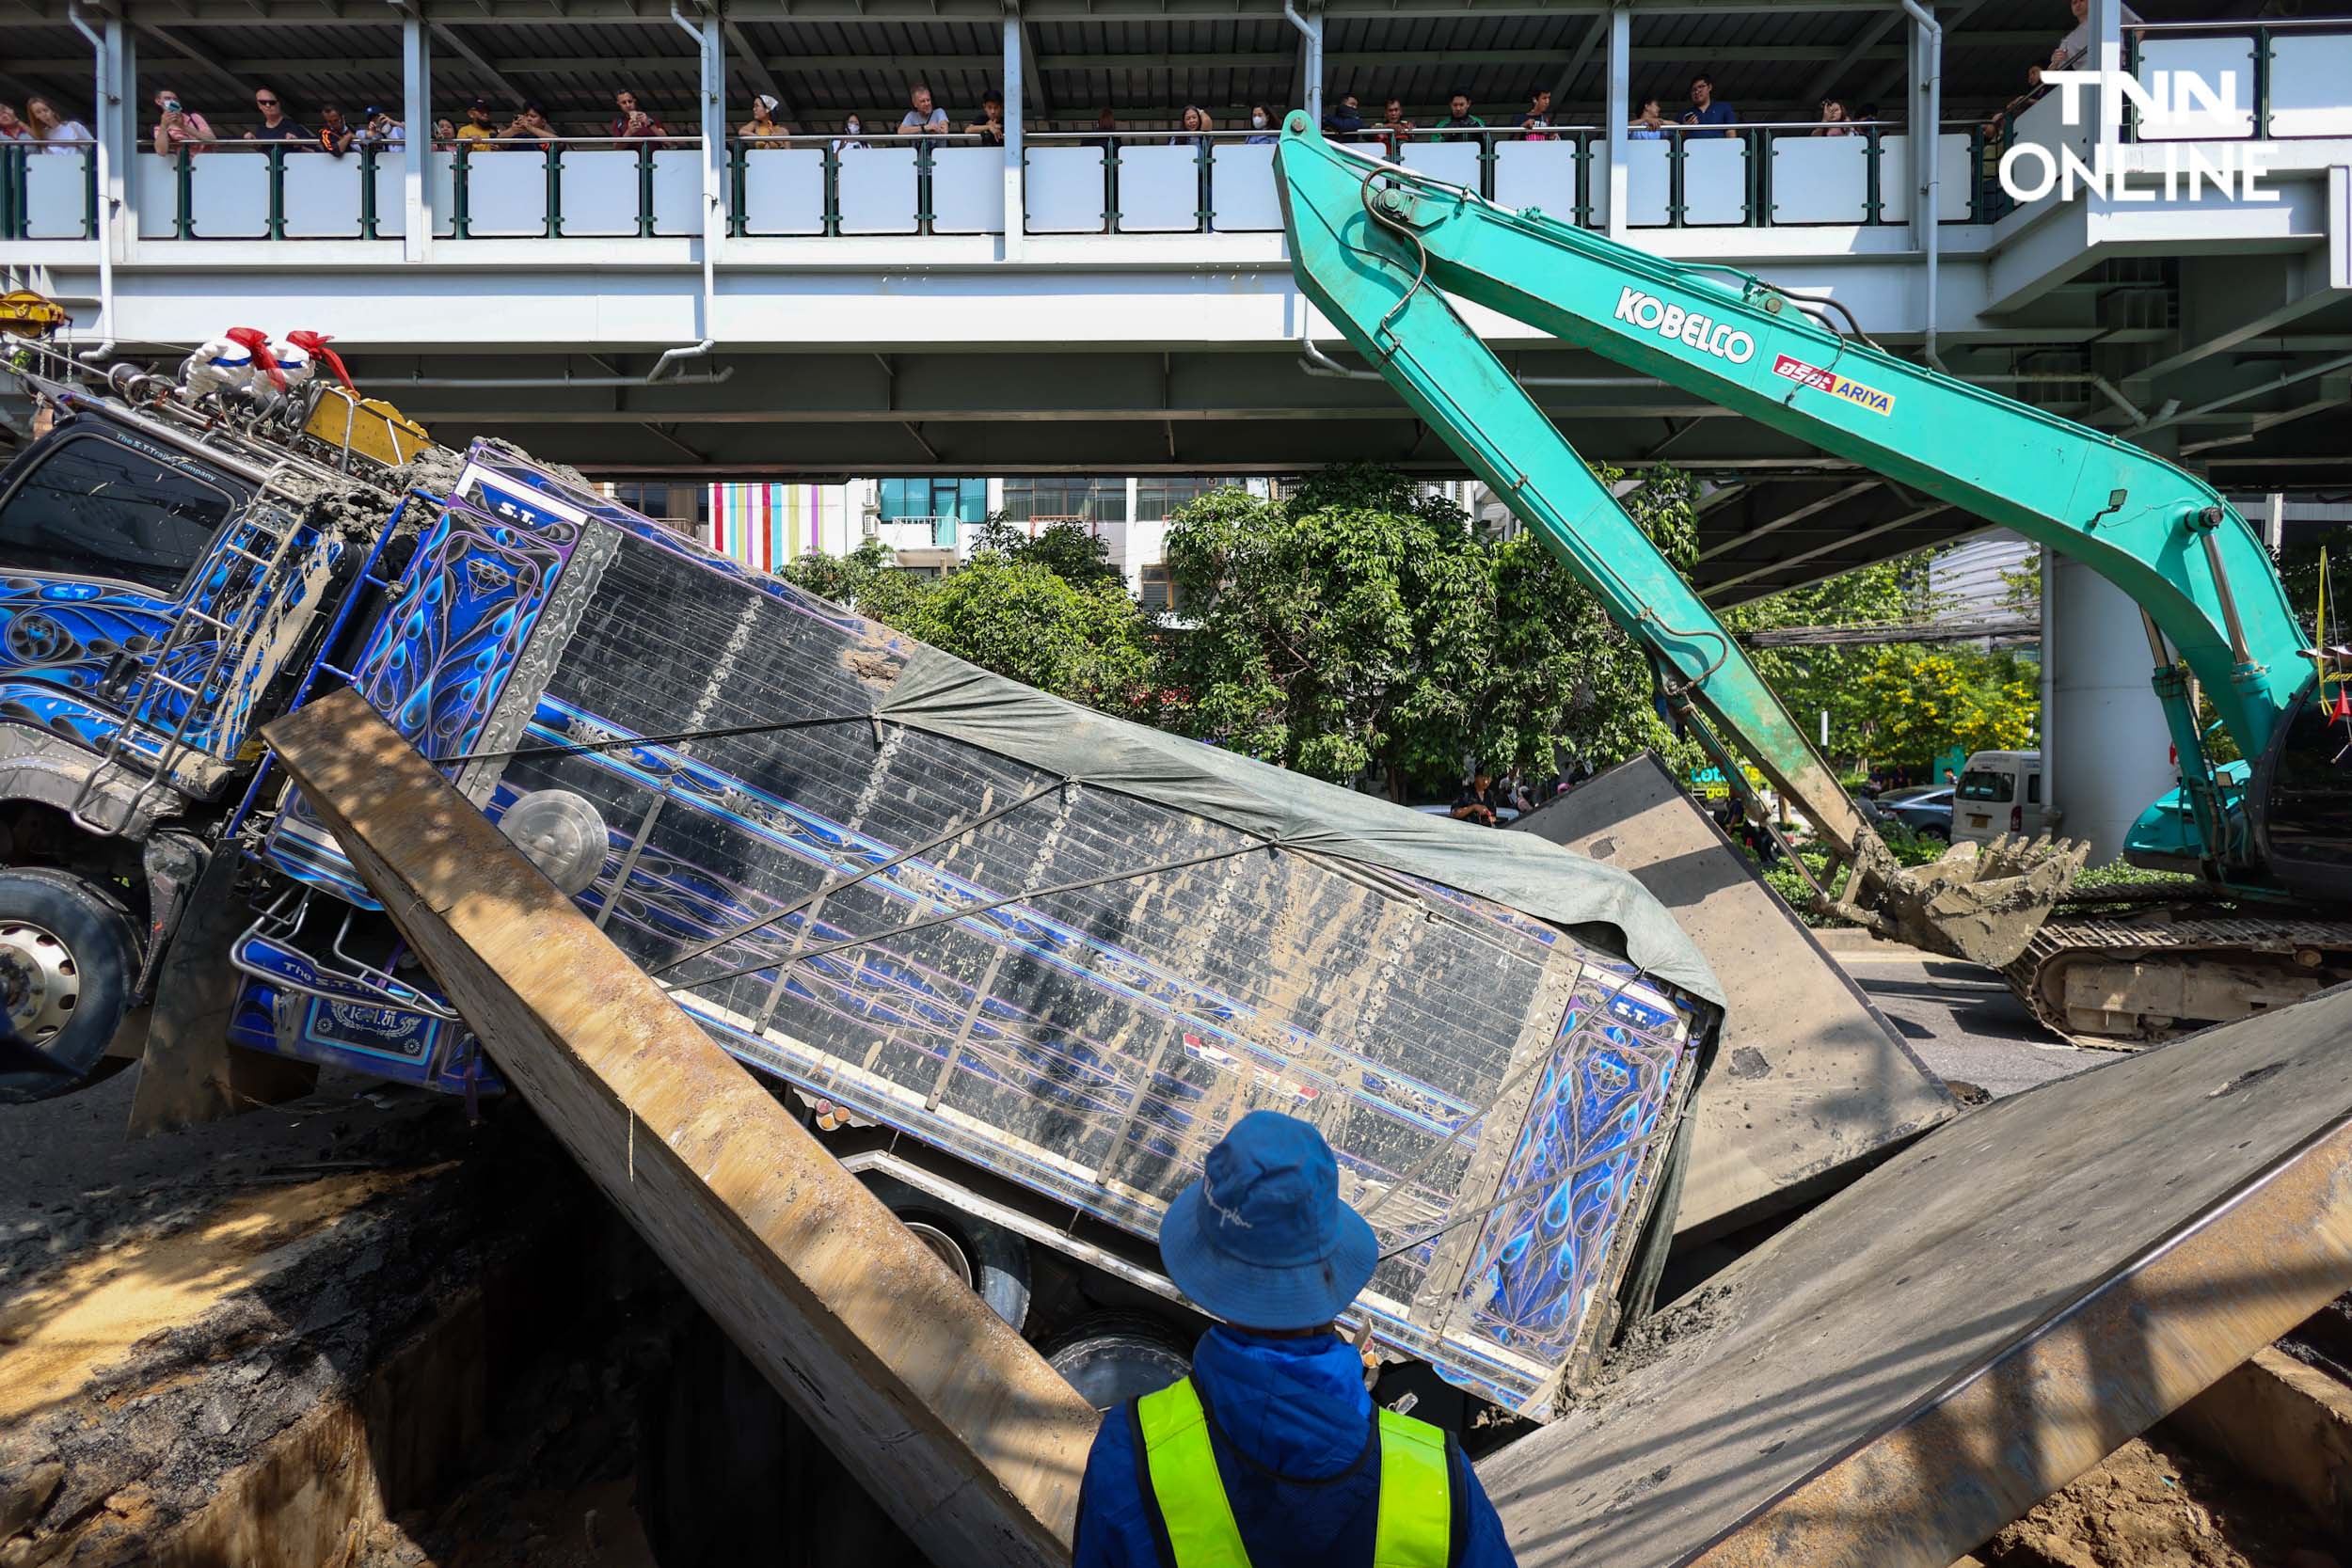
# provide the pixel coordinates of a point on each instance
(2155, 1504)
(173, 1306)
(171, 1310)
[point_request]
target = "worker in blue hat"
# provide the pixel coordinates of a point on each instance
(1271, 1454)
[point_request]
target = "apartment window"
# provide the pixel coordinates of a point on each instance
(1158, 588)
(1158, 498)
(964, 499)
(1098, 501)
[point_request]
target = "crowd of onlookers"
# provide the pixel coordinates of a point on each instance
(488, 128)
(1708, 116)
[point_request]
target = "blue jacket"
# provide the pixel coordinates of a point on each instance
(1291, 1427)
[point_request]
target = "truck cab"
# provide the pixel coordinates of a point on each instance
(157, 594)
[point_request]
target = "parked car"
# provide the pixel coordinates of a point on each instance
(1926, 810)
(1999, 792)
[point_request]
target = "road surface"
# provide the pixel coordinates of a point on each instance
(1963, 1022)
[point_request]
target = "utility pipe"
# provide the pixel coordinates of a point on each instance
(2176, 416)
(2051, 378)
(1928, 127)
(556, 383)
(1310, 28)
(711, 149)
(1317, 363)
(109, 112)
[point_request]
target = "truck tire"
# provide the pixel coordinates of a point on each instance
(67, 960)
(1116, 1356)
(989, 1259)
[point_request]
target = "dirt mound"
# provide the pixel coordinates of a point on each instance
(2153, 1504)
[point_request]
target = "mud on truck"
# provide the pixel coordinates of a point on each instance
(1019, 963)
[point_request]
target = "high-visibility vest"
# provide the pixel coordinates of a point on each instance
(1415, 1527)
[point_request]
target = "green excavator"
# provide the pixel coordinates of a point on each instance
(1380, 247)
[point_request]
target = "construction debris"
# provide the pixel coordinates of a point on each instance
(1924, 1357)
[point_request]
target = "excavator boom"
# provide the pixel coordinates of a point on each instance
(1380, 248)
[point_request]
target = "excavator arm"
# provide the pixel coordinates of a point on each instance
(1380, 248)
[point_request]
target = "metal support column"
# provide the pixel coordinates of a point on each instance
(1620, 116)
(1927, 211)
(1016, 198)
(416, 106)
(2104, 52)
(118, 130)
(714, 133)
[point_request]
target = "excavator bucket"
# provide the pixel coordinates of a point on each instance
(1982, 903)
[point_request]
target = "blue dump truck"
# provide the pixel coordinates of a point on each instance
(1020, 964)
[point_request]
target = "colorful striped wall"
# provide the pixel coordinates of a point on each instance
(764, 525)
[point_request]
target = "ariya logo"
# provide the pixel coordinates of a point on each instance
(1824, 380)
(1689, 327)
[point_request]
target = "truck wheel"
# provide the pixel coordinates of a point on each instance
(1116, 1356)
(67, 960)
(989, 1259)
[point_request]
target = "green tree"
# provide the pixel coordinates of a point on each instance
(1070, 550)
(1922, 700)
(1827, 677)
(1090, 643)
(844, 580)
(1360, 626)
(1008, 611)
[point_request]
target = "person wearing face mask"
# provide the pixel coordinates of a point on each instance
(1345, 122)
(1261, 126)
(851, 129)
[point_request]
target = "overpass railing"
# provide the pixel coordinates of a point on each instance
(48, 194)
(1122, 184)
(2271, 80)
(2289, 77)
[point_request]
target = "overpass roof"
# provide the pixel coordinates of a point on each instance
(1144, 58)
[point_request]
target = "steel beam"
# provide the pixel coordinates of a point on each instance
(757, 69)
(1592, 40)
(1713, 591)
(1800, 514)
(197, 58)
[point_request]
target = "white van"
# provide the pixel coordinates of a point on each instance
(1999, 792)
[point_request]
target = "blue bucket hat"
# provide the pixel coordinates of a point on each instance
(1261, 1239)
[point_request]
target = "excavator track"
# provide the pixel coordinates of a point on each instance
(2118, 980)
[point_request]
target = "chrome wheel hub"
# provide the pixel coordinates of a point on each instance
(41, 984)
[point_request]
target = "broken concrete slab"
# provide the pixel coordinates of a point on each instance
(946, 1416)
(1811, 1083)
(1914, 1363)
